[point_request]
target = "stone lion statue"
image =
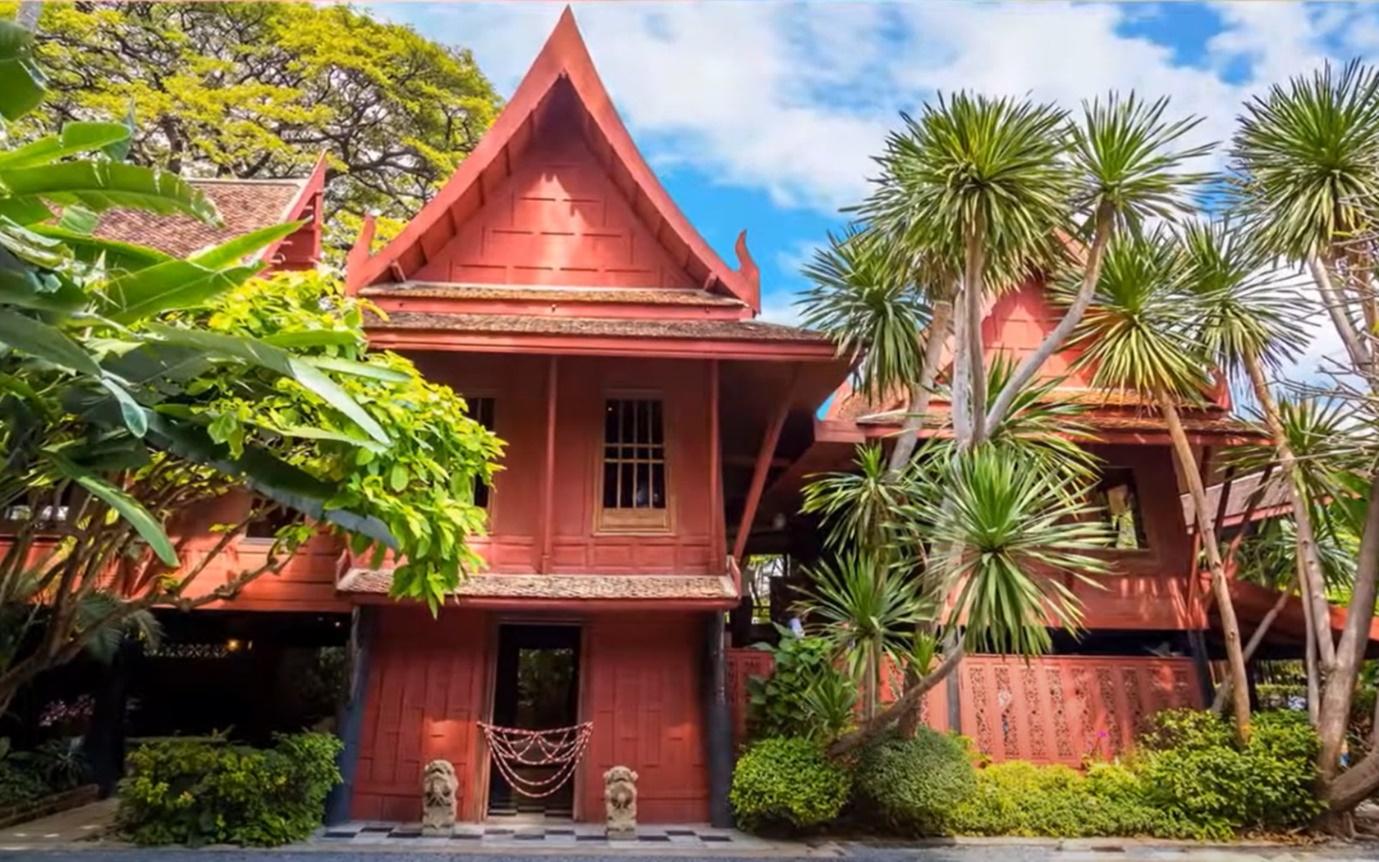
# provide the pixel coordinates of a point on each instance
(620, 801)
(439, 790)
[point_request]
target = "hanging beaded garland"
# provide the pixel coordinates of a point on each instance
(515, 748)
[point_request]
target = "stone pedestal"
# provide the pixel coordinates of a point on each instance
(620, 803)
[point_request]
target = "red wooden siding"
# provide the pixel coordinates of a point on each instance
(427, 687)
(558, 220)
(517, 384)
(644, 695)
(1055, 709)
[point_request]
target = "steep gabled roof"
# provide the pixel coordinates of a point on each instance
(562, 69)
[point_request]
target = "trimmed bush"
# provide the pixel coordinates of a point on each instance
(1019, 798)
(910, 786)
(1208, 786)
(787, 785)
(194, 793)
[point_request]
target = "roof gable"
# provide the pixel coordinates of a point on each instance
(556, 194)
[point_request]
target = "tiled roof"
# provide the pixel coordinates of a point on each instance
(244, 205)
(634, 587)
(733, 330)
(650, 296)
(1274, 496)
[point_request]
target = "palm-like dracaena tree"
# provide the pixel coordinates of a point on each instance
(1306, 156)
(1140, 335)
(869, 614)
(1253, 321)
(979, 187)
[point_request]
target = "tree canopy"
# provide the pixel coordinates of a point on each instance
(259, 90)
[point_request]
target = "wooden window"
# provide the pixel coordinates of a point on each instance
(634, 465)
(481, 411)
(1117, 496)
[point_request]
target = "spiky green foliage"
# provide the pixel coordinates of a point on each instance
(1130, 159)
(1248, 307)
(1306, 154)
(1140, 333)
(868, 608)
(858, 508)
(972, 163)
(874, 307)
(1016, 535)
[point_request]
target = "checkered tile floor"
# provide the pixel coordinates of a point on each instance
(545, 834)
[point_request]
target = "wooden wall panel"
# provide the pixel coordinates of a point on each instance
(642, 690)
(427, 687)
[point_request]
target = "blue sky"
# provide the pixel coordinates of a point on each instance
(763, 115)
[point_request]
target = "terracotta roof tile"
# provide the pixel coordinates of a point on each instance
(633, 587)
(649, 296)
(244, 205)
(734, 330)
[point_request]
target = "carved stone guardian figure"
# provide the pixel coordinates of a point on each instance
(439, 790)
(620, 802)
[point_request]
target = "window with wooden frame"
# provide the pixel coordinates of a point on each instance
(634, 475)
(481, 411)
(1121, 504)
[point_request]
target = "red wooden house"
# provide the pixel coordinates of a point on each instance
(656, 433)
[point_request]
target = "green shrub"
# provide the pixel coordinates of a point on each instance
(1208, 786)
(805, 695)
(910, 786)
(185, 792)
(789, 785)
(1019, 798)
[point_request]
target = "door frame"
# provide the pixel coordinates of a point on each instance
(485, 758)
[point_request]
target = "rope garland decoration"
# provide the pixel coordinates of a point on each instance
(513, 747)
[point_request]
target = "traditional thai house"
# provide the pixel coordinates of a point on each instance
(657, 434)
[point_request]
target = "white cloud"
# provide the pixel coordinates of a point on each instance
(793, 99)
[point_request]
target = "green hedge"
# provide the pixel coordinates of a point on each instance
(787, 785)
(1189, 779)
(194, 793)
(909, 786)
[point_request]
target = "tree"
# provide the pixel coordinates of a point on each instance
(261, 89)
(1306, 162)
(134, 385)
(1142, 333)
(976, 196)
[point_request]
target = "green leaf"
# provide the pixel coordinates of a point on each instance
(398, 478)
(330, 391)
(21, 82)
(45, 342)
(118, 255)
(130, 410)
(75, 138)
(127, 507)
(236, 250)
(168, 286)
(358, 369)
(307, 433)
(100, 186)
(313, 338)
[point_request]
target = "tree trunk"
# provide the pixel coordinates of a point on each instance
(923, 389)
(1340, 685)
(974, 283)
(888, 716)
(1256, 638)
(1313, 584)
(1230, 626)
(1029, 367)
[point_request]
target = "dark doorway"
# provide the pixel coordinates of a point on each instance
(536, 688)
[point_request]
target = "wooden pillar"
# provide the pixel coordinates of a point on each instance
(104, 743)
(718, 731)
(548, 474)
(717, 526)
(763, 463)
(350, 720)
(953, 687)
